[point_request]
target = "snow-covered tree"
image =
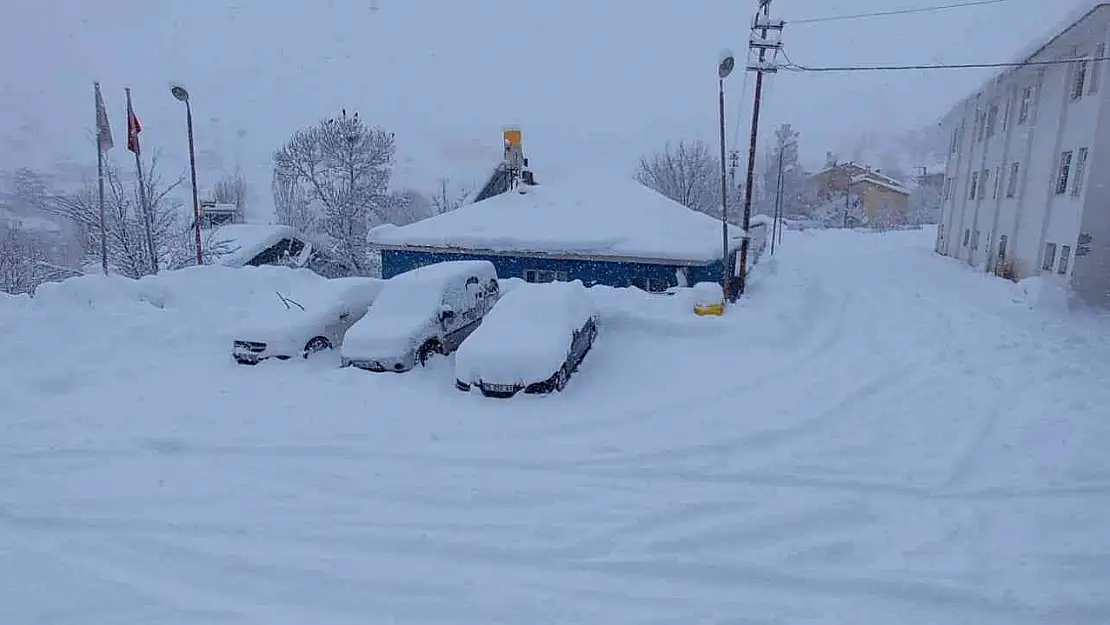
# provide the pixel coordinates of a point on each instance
(797, 194)
(686, 172)
(233, 190)
(331, 181)
(841, 210)
(448, 197)
(128, 253)
(925, 201)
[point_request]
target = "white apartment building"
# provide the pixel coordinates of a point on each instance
(1027, 181)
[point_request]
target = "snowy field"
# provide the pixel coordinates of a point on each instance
(877, 435)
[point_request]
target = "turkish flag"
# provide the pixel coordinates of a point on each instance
(133, 127)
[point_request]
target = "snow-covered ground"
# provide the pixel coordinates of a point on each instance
(877, 435)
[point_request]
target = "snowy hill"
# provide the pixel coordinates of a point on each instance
(875, 435)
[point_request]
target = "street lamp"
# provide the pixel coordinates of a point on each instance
(181, 94)
(724, 68)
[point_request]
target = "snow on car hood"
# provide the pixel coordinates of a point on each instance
(527, 335)
(286, 330)
(384, 336)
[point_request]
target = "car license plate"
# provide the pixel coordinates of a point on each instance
(500, 388)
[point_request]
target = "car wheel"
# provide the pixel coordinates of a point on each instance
(427, 350)
(317, 344)
(561, 379)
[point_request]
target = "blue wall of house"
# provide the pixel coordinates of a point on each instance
(616, 274)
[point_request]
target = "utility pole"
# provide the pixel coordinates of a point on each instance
(765, 25)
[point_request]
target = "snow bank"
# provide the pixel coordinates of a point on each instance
(624, 218)
(527, 335)
(1046, 295)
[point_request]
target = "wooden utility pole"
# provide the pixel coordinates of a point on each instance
(765, 25)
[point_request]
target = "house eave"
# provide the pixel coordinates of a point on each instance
(606, 258)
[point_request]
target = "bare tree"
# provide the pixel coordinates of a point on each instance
(338, 170)
(29, 258)
(447, 198)
(233, 190)
(687, 173)
(128, 253)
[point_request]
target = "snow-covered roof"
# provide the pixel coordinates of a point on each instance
(245, 241)
(881, 182)
(586, 215)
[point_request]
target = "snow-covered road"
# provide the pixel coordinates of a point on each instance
(878, 435)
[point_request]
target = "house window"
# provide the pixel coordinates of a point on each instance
(983, 183)
(967, 236)
(974, 185)
(947, 188)
(544, 275)
(981, 133)
(1079, 81)
(651, 285)
(1002, 247)
(1049, 257)
(1064, 171)
(1011, 189)
(992, 120)
(1026, 105)
(955, 142)
(1080, 169)
(1065, 254)
(1006, 115)
(997, 183)
(1096, 68)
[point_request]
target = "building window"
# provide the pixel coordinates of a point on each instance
(1026, 105)
(983, 183)
(1011, 189)
(1080, 170)
(1096, 68)
(1049, 257)
(997, 183)
(974, 185)
(975, 240)
(955, 142)
(992, 120)
(947, 188)
(1063, 173)
(1002, 247)
(1079, 81)
(544, 275)
(1065, 254)
(967, 236)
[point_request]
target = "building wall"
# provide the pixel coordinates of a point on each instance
(1033, 215)
(616, 274)
(874, 196)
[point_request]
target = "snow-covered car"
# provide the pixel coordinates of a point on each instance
(533, 341)
(302, 324)
(420, 313)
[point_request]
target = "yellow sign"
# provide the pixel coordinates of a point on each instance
(512, 137)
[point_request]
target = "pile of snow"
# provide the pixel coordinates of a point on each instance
(1046, 294)
(527, 335)
(624, 218)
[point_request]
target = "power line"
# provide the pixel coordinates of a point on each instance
(932, 9)
(794, 67)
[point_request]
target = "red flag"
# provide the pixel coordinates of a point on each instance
(133, 127)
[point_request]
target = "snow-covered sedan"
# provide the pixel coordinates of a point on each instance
(311, 321)
(532, 340)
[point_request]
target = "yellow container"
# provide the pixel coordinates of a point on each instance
(717, 309)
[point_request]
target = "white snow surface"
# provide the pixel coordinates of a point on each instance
(527, 335)
(245, 241)
(624, 218)
(873, 435)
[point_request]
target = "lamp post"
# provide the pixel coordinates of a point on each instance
(181, 94)
(724, 68)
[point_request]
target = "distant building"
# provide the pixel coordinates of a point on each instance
(1018, 197)
(883, 199)
(241, 245)
(214, 215)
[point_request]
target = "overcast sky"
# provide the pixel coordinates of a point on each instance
(592, 82)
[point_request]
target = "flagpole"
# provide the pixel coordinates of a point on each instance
(145, 209)
(100, 179)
